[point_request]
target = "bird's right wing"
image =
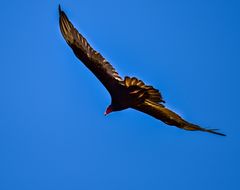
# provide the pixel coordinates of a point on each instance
(169, 117)
(100, 67)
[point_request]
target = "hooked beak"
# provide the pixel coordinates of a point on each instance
(108, 110)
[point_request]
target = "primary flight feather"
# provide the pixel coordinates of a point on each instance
(129, 92)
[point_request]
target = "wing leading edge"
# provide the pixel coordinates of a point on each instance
(92, 59)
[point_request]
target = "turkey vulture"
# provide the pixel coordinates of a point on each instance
(129, 92)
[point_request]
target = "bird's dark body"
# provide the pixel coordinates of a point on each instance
(129, 92)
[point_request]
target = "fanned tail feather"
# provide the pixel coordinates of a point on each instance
(152, 94)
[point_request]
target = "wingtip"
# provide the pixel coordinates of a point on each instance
(221, 134)
(213, 131)
(59, 8)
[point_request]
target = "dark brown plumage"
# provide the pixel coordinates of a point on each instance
(129, 92)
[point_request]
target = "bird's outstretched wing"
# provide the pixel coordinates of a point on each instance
(100, 67)
(169, 117)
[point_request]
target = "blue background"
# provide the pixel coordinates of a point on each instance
(53, 134)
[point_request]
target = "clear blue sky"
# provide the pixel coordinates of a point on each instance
(53, 134)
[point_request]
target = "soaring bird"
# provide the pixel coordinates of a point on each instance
(127, 92)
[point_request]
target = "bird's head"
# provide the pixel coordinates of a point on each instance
(108, 110)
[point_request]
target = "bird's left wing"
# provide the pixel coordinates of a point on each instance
(100, 67)
(169, 117)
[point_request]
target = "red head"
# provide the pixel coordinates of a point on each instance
(108, 110)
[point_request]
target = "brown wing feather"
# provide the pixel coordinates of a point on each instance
(169, 117)
(100, 67)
